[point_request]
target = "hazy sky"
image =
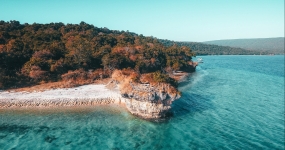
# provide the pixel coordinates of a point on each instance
(179, 20)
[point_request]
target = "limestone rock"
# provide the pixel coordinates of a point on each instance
(150, 102)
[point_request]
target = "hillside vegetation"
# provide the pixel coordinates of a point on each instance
(40, 53)
(272, 45)
(211, 49)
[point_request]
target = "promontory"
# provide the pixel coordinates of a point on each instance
(56, 64)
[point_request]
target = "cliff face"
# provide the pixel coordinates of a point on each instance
(146, 99)
(150, 101)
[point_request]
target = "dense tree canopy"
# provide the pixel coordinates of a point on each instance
(31, 53)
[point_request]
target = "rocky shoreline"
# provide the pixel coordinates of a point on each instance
(145, 100)
(88, 95)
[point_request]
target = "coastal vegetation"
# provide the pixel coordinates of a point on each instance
(39, 53)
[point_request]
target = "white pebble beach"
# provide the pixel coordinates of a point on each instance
(83, 95)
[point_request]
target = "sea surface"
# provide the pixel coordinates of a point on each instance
(230, 102)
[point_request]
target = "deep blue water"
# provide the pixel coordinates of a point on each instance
(230, 102)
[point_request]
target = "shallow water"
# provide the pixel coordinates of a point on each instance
(230, 102)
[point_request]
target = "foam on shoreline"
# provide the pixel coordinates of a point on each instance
(88, 95)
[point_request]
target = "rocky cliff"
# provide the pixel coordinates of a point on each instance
(150, 101)
(145, 98)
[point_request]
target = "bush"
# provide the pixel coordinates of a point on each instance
(37, 74)
(74, 75)
(160, 77)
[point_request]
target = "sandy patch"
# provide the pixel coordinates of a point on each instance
(82, 95)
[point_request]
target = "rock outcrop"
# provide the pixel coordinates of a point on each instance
(148, 100)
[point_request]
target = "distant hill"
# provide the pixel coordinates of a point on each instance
(211, 49)
(274, 45)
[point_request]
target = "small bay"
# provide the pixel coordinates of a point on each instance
(230, 102)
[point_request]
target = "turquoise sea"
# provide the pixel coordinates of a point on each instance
(230, 102)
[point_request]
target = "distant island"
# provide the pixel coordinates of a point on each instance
(262, 45)
(209, 48)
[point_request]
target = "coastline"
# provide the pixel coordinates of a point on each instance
(147, 101)
(86, 95)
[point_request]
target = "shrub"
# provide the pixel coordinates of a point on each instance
(37, 74)
(74, 75)
(160, 77)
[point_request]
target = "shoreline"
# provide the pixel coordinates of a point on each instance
(142, 100)
(86, 95)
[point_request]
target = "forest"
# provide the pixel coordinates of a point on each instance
(38, 53)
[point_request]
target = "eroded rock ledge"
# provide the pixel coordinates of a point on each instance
(150, 101)
(145, 98)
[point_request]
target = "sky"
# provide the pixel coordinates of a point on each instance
(177, 20)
